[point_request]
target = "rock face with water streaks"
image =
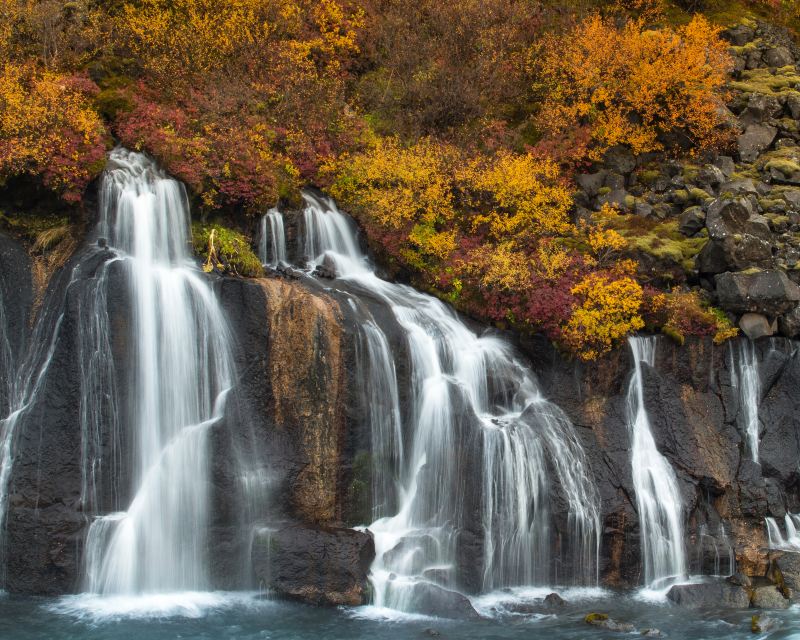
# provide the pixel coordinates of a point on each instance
(298, 414)
(695, 411)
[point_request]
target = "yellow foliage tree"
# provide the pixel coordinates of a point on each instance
(176, 38)
(631, 85)
(523, 194)
(610, 310)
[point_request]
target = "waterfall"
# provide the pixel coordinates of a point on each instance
(748, 385)
(658, 497)
(381, 396)
(475, 412)
(791, 542)
(176, 385)
(272, 240)
(721, 545)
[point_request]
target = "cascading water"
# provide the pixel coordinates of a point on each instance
(658, 497)
(748, 385)
(722, 548)
(475, 411)
(272, 240)
(180, 375)
(790, 542)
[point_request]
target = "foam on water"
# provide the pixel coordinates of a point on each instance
(183, 604)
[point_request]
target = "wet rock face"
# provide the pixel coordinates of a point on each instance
(695, 413)
(45, 524)
(317, 566)
(307, 380)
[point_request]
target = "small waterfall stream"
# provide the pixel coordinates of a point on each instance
(475, 412)
(789, 542)
(176, 387)
(272, 239)
(748, 386)
(658, 498)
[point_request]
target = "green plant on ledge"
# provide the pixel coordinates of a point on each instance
(225, 250)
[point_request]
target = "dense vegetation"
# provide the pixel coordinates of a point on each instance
(451, 130)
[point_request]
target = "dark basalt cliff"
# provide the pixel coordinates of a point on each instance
(298, 416)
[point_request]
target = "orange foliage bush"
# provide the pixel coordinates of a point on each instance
(48, 127)
(634, 86)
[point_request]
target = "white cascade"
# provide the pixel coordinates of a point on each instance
(658, 498)
(176, 388)
(272, 239)
(747, 383)
(789, 542)
(476, 411)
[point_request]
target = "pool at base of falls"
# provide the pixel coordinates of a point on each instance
(506, 614)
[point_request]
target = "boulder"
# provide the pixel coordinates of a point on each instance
(619, 159)
(738, 238)
(317, 566)
(709, 595)
(603, 621)
(739, 35)
(755, 139)
(554, 600)
(793, 105)
(711, 176)
(778, 57)
(726, 165)
(740, 579)
(761, 107)
(762, 624)
(789, 323)
(769, 292)
(590, 183)
(727, 217)
(789, 565)
(432, 600)
(741, 186)
(768, 597)
(692, 221)
(756, 325)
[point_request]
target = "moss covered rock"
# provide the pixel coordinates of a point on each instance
(226, 250)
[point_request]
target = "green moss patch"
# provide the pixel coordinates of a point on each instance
(662, 240)
(783, 80)
(225, 250)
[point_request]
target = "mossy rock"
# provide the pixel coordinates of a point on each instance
(593, 618)
(234, 255)
(783, 80)
(699, 195)
(648, 176)
(681, 196)
(661, 240)
(690, 172)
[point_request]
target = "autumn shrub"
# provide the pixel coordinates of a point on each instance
(431, 193)
(240, 99)
(679, 314)
(634, 86)
(608, 310)
(492, 234)
(450, 69)
(48, 128)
